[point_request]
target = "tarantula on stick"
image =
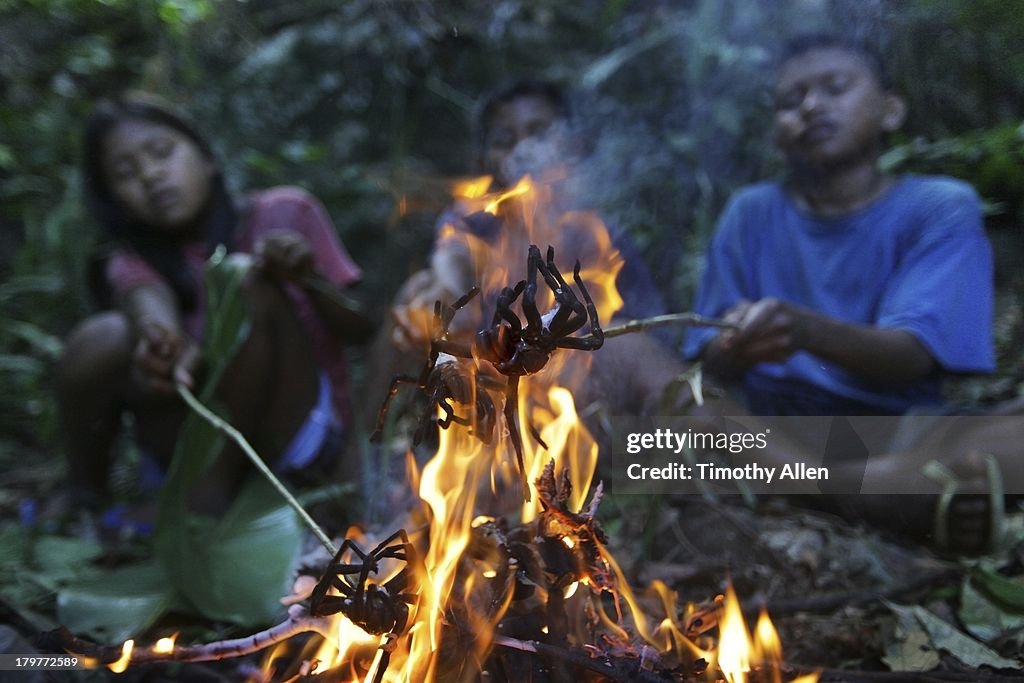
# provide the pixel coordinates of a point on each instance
(376, 608)
(510, 347)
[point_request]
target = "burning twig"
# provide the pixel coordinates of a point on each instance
(298, 621)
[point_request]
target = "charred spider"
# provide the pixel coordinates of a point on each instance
(375, 608)
(510, 347)
(444, 381)
(516, 350)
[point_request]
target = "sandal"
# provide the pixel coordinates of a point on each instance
(964, 523)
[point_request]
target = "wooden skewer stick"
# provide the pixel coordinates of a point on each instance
(299, 621)
(689, 319)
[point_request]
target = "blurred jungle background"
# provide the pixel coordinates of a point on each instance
(369, 105)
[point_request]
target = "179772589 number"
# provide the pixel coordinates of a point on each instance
(9, 662)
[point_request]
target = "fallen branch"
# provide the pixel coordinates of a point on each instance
(689, 319)
(299, 621)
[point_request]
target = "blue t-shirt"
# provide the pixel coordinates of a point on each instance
(916, 259)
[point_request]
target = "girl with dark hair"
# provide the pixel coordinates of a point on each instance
(154, 184)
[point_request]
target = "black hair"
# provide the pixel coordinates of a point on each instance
(161, 251)
(802, 44)
(548, 91)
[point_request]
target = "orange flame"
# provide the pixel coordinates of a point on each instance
(468, 485)
(472, 188)
(739, 653)
(165, 646)
(735, 646)
(126, 654)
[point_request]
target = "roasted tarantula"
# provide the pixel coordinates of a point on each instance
(510, 347)
(375, 608)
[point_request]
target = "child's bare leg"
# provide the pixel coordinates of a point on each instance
(91, 381)
(269, 389)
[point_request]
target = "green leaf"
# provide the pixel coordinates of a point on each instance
(31, 284)
(11, 362)
(984, 618)
(1006, 592)
(60, 558)
(252, 554)
(116, 605)
(235, 569)
(46, 344)
(943, 636)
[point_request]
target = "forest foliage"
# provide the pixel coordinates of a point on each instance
(369, 104)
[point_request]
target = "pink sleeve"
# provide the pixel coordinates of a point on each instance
(297, 210)
(126, 271)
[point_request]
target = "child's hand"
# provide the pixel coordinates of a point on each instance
(285, 256)
(162, 357)
(413, 313)
(770, 331)
(412, 327)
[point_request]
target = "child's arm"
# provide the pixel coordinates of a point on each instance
(287, 256)
(772, 330)
(163, 353)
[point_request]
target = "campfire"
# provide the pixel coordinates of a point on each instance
(501, 570)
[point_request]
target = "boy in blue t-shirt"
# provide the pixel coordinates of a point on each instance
(853, 291)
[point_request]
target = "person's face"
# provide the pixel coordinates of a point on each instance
(158, 174)
(830, 108)
(520, 138)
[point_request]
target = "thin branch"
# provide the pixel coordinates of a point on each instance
(208, 652)
(236, 436)
(689, 319)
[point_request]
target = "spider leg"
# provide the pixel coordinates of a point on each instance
(444, 313)
(335, 570)
(534, 324)
(486, 416)
(382, 414)
(465, 298)
(596, 338)
(511, 406)
(444, 422)
(503, 307)
(449, 414)
(385, 549)
(486, 411)
(571, 314)
(536, 435)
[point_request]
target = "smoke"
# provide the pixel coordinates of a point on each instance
(678, 116)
